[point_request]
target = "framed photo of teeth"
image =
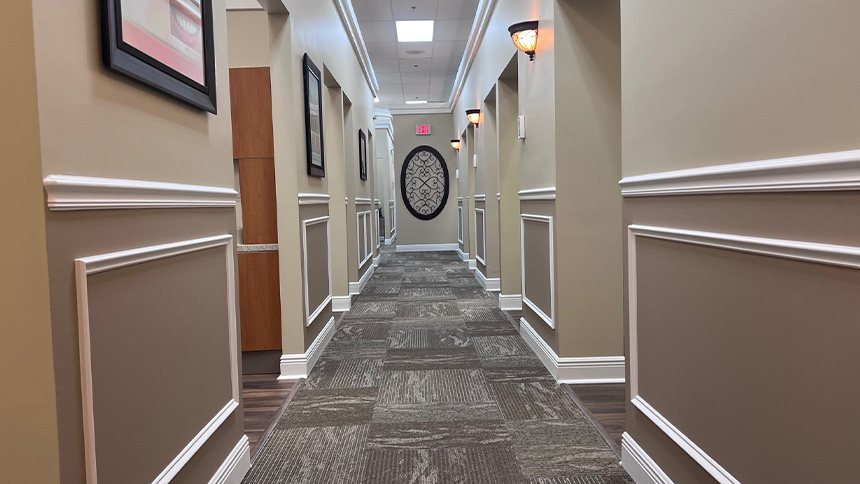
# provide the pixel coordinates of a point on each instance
(167, 44)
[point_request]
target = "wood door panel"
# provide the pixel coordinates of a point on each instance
(259, 200)
(251, 106)
(259, 301)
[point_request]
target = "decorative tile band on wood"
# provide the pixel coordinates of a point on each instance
(836, 255)
(87, 266)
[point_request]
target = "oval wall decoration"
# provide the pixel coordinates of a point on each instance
(424, 183)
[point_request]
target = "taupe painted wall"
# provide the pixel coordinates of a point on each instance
(248, 38)
(507, 104)
(743, 82)
(488, 176)
(443, 228)
(29, 450)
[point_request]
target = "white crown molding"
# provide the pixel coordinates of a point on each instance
(546, 193)
(340, 304)
(235, 466)
(573, 370)
(427, 108)
(311, 316)
(87, 266)
(357, 287)
(383, 119)
(490, 284)
(549, 319)
(836, 255)
(820, 172)
(427, 248)
(511, 302)
(66, 192)
(639, 464)
(350, 24)
(297, 366)
(314, 199)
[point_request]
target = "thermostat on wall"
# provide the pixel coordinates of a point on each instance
(521, 126)
(422, 130)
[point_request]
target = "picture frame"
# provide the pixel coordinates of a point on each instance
(362, 155)
(313, 118)
(166, 44)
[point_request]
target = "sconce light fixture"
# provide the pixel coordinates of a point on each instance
(474, 116)
(455, 143)
(524, 35)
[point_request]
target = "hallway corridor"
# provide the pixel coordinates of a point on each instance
(426, 381)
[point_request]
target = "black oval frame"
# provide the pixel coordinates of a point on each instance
(444, 164)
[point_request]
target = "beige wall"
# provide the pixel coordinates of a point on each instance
(443, 228)
(29, 449)
(248, 38)
(509, 184)
(776, 83)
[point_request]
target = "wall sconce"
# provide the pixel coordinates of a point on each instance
(455, 143)
(524, 35)
(474, 116)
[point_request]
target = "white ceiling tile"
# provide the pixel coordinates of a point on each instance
(414, 65)
(386, 65)
(391, 97)
(387, 77)
(456, 9)
(415, 50)
(446, 30)
(382, 50)
(372, 9)
(445, 65)
(415, 77)
(415, 89)
(442, 49)
(438, 77)
(378, 31)
(392, 88)
(424, 9)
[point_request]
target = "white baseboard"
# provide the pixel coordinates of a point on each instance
(427, 247)
(491, 284)
(340, 304)
(237, 464)
(463, 256)
(299, 365)
(472, 264)
(572, 370)
(513, 302)
(639, 464)
(357, 287)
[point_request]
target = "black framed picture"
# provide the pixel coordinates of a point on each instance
(362, 155)
(313, 118)
(167, 44)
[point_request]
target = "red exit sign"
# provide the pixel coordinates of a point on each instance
(422, 129)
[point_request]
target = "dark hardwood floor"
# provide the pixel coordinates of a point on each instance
(605, 406)
(265, 399)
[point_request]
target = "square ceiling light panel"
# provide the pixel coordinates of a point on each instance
(414, 30)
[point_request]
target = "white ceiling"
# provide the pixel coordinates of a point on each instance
(415, 71)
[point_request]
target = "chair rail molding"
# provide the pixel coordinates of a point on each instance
(314, 198)
(836, 255)
(549, 319)
(67, 192)
(546, 193)
(96, 264)
(310, 316)
(819, 172)
(297, 366)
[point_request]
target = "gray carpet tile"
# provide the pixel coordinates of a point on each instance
(426, 381)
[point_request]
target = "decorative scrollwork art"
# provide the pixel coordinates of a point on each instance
(424, 183)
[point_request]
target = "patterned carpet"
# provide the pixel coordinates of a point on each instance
(426, 381)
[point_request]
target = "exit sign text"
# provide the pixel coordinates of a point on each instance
(422, 129)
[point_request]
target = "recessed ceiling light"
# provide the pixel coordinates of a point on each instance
(414, 30)
(416, 102)
(415, 51)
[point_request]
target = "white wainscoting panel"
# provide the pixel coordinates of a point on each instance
(364, 240)
(310, 316)
(483, 229)
(549, 319)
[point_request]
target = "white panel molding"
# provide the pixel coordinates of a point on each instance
(362, 220)
(835, 255)
(546, 193)
(573, 370)
(350, 24)
(310, 316)
(819, 172)
(235, 466)
(87, 266)
(297, 366)
(340, 304)
(314, 199)
(511, 302)
(481, 198)
(490, 284)
(427, 247)
(478, 256)
(639, 464)
(460, 224)
(549, 319)
(357, 287)
(65, 192)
